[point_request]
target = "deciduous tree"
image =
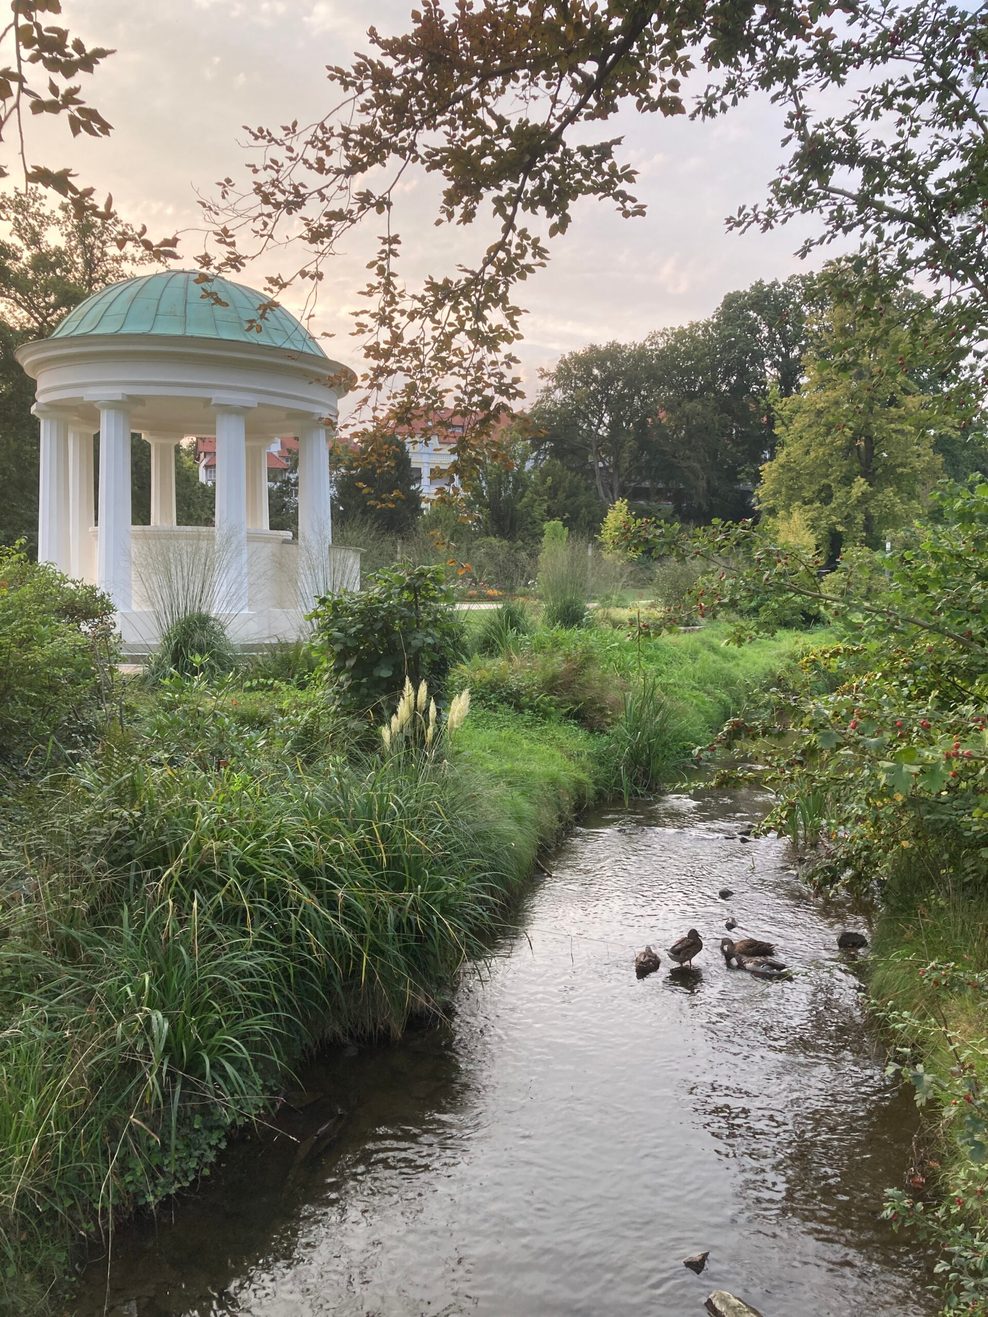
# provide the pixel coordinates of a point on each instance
(501, 498)
(50, 261)
(683, 416)
(595, 412)
(503, 104)
(856, 458)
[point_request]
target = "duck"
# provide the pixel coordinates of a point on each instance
(746, 946)
(683, 951)
(647, 962)
(763, 967)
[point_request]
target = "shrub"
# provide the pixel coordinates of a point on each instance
(402, 625)
(672, 583)
(57, 656)
(503, 628)
(194, 644)
(561, 680)
(505, 564)
(617, 532)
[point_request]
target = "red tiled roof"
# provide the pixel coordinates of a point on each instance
(446, 426)
(205, 452)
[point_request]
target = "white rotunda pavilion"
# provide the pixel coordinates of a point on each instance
(153, 356)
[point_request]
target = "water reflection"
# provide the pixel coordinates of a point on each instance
(571, 1133)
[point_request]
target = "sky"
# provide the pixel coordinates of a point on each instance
(189, 74)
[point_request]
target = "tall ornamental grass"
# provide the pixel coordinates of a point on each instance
(564, 580)
(185, 936)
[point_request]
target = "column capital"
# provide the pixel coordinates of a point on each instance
(113, 399)
(312, 419)
(232, 402)
(46, 412)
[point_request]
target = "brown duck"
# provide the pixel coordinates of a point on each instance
(746, 946)
(763, 967)
(683, 951)
(647, 962)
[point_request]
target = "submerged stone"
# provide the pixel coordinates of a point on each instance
(849, 939)
(722, 1304)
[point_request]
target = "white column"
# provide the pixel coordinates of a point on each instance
(82, 504)
(113, 547)
(315, 532)
(162, 479)
(231, 594)
(53, 493)
(257, 486)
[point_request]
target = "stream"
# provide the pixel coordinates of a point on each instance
(569, 1133)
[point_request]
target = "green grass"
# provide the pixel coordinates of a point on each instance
(232, 878)
(539, 773)
(929, 973)
(656, 698)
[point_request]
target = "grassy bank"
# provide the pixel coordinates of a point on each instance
(880, 771)
(235, 873)
(929, 974)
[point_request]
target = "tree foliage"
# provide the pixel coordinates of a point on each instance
(41, 76)
(856, 457)
(682, 417)
(50, 261)
(505, 105)
(501, 499)
(376, 479)
(596, 412)
(563, 494)
(890, 754)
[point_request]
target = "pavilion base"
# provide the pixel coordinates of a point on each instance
(140, 632)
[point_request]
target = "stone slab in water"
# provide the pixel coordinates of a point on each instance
(722, 1304)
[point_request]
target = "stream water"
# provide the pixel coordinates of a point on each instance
(569, 1134)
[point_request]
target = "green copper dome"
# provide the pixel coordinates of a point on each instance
(173, 303)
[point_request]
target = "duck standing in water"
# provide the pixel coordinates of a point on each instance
(647, 962)
(763, 967)
(683, 951)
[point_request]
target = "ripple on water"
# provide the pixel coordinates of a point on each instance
(571, 1133)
